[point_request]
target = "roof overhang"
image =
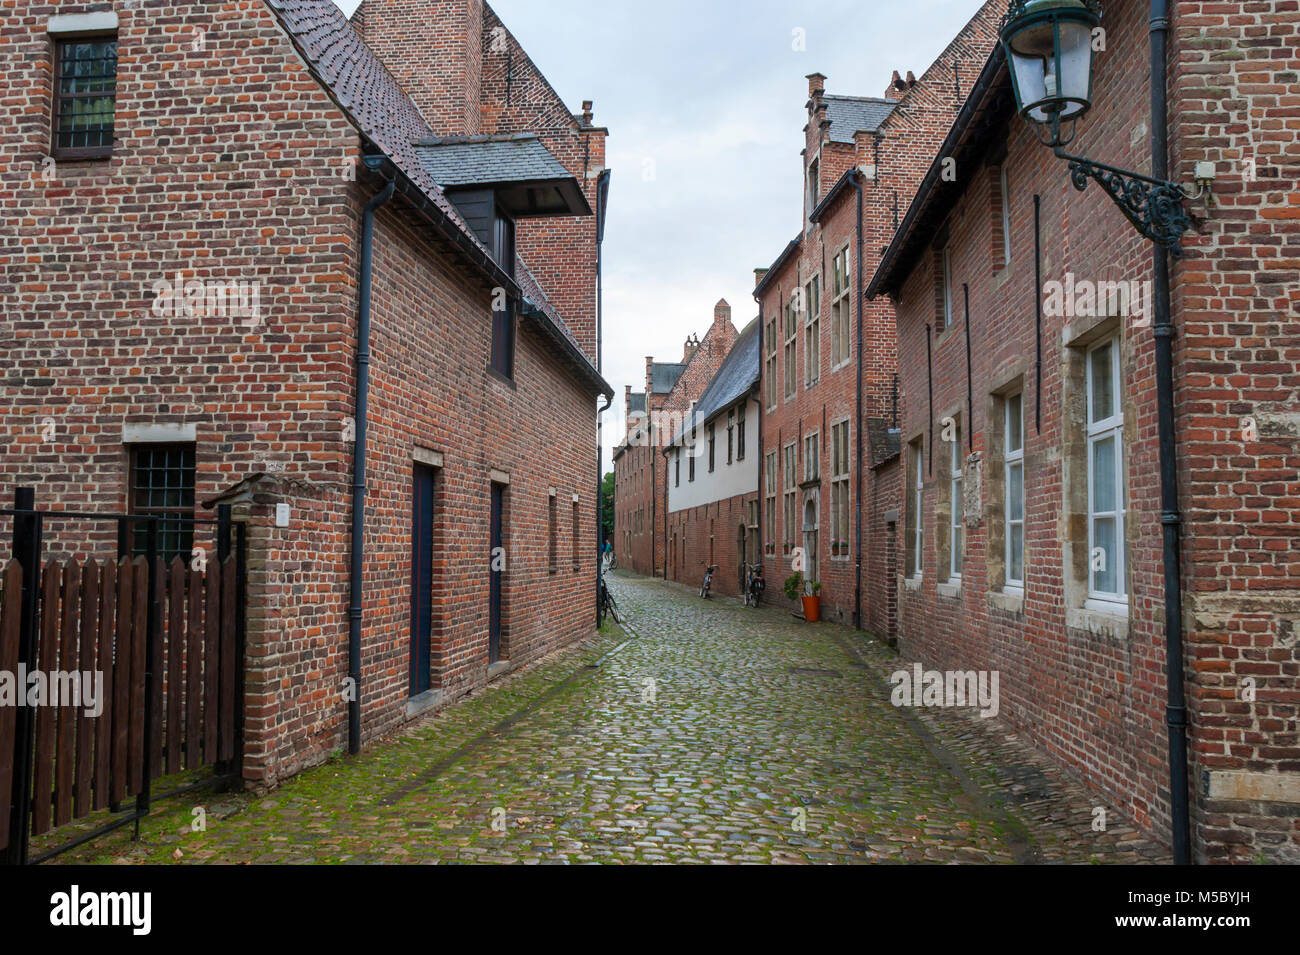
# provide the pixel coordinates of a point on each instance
(526, 178)
(775, 267)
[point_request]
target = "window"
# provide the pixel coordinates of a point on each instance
(731, 435)
(956, 518)
(1014, 509)
(769, 477)
(811, 457)
(503, 320)
(553, 558)
(915, 514)
(713, 445)
(677, 469)
(1005, 195)
(840, 305)
(791, 336)
(1106, 492)
(162, 485)
(740, 433)
(840, 489)
(789, 503)
(944, 318)
(85, 93)
(814, 184)
(812, 346)
(769, 364)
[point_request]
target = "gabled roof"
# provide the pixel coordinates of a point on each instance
(519, 165)
(376, 104)
(663, 375)
(775, 267)
(853, 114)
(737, 374)
(982, 115)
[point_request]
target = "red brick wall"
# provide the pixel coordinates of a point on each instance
(85, 349)
(1088, 690)
(699, 536)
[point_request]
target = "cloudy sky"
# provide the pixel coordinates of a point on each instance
(704, 100)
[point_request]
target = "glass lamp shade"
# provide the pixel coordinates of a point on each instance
(1049, 49)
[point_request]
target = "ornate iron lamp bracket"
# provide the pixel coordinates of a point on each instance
(1154, 206)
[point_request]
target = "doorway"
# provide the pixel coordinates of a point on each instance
(421, 578)
(497, 557)
(810, 535)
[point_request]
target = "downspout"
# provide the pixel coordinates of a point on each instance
(762, 449)
(602, 195)
(357, 543)
(858, 427)
(1170, 519)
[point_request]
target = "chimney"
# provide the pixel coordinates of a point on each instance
(627, 400)
(759, 275)
(649, 360)
(816, 85)
(897, 87)
(691, 346)
(587, 114)
(445, 87)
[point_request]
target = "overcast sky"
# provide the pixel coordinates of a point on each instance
(704, 100)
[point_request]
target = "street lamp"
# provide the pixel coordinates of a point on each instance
(1049, 47)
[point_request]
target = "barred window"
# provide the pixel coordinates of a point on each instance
(85, 92)
(162, 485)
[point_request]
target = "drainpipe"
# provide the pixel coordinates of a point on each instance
(357, 543)
(857, 428)
(1170, 519)
(602, 200)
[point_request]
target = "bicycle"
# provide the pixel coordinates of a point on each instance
(754, 584)
(708, 580)
(605, 605)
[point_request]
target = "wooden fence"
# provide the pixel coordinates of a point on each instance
(92, 623)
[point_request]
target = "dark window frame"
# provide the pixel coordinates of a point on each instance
(104, 150)
(136, 539)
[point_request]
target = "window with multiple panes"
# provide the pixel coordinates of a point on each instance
(945, 280)
(791, 329)
(731, 436)
(503, 319)
(576, 565)
(1106, 501)
(956, 524)
(677, 469)
(740, 433)
(1005, 190)
(769, 478)
(916, 536)
(769, 363)
(812, 344)
(814, 184)
(552, 555)
(713, 446)
(789, 502)
(162, 486)
(841, 304)
(1014, 508)
(840, 487)
(811, 457)
(691, 449)
(85, 93)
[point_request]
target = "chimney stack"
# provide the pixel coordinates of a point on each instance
(759, 275)
(691, 346)
(721, 312)
(816, 85)
(898, 86)
(586, 112)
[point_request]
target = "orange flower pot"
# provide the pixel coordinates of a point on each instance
(812, 608)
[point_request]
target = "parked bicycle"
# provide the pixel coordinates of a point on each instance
(754, 584)
(605, 605)
(708, 580)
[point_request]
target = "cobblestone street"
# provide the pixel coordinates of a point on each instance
(705, 733)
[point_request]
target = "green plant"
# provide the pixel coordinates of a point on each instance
(815, 586)
(794, 585)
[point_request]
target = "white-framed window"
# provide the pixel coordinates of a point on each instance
(812, 344)
(840, 489)
(956, 524)
(791, 345)
(790, 491)
(1014, 509)
(769, 518)
(841, 303)
(1006, 215)
(1106, 492)
(812, 456)
(769, 362)
(917, 536)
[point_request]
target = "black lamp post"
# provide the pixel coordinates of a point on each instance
(1048, 44)
(1049, 52)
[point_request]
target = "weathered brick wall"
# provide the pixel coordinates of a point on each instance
(1088, 688)
(709, 534)
(635, 508)
(266, 201)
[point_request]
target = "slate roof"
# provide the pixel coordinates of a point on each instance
(637, 404)
(851, 114)
(663, 375)
(735, 377)
(377, 105)
(471, 160)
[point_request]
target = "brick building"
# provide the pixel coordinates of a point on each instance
(201, 149)
(829, 358)
(671, 389)
(1032, 530)
(711, 472)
